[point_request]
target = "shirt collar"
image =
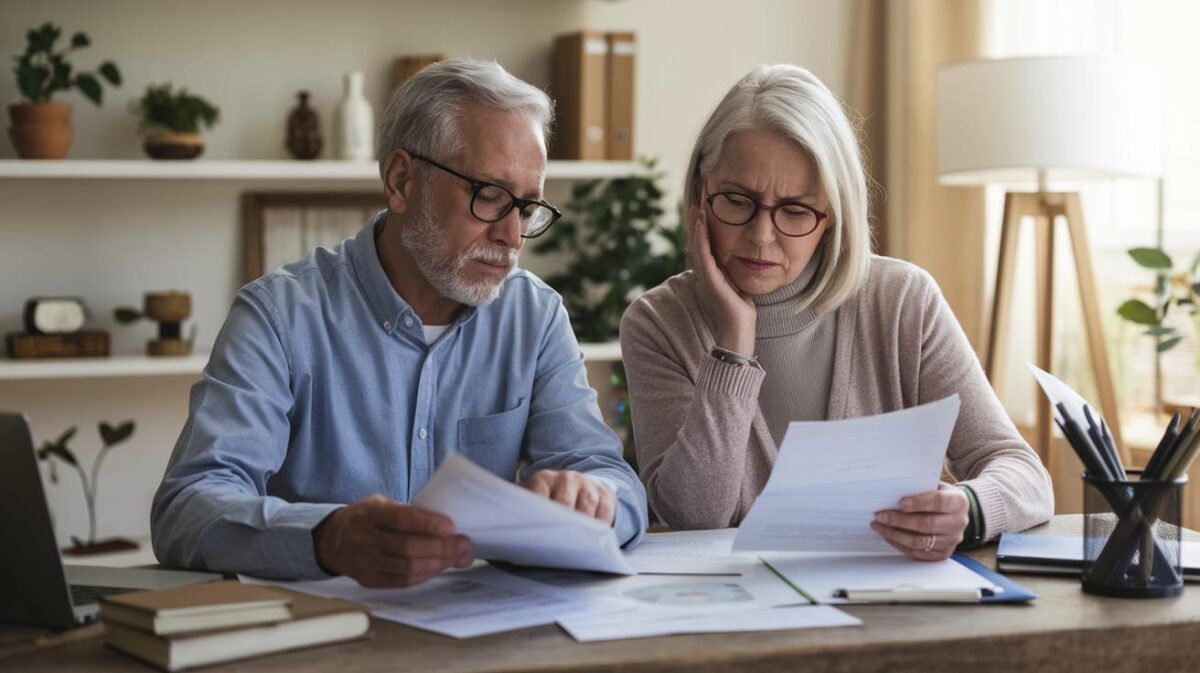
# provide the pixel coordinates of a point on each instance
(387, 305)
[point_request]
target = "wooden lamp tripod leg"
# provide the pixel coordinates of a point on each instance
(1044, 237)
(1073, 212)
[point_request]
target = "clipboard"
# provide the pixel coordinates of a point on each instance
(1013, 592)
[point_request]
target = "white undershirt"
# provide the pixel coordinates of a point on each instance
(432, 332)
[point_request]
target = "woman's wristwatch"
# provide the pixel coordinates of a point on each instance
(733, 358)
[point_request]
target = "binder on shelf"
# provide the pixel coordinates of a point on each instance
(407, 66)
(579, 87)
(622, 48)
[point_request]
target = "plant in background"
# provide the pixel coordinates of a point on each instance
(1180, 289)
(42, 72)
(171, 121)
(617, 246)
(59, 451)
(41, 128)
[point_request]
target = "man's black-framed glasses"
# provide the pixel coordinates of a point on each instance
(491, 203)
(791, 218)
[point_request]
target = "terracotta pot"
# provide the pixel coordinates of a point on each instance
(165, 145)
(40, 130)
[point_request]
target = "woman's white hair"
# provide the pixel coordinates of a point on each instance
(423, 114)
(791, 101)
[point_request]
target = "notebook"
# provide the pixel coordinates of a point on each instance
(195, 608)
(315, 621)
(1063, 555)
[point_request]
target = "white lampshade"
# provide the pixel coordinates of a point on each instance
(1074, 117)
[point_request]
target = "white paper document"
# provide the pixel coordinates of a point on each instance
(463, 604)
(822, 575)
(674, 595)
(508, 523)
(1057, 391)
(585, 628)
(662, 604)
(830, 477)
(693, 552)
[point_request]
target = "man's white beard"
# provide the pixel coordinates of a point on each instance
(444, 270)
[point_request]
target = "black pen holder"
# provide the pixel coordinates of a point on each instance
(1132, 537)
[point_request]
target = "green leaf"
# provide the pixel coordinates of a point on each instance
(1169, 344)
(1151, 258)
(79, 40)
(116, 435)
(61, 452)
(67, 435)
(126, 315)
(1159, 331)
(108, 70)
(31, 81)
(1138, 311)
(90, 88)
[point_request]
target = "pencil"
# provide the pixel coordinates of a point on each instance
(1096, 466)
(1107, 451)
(1164, 444)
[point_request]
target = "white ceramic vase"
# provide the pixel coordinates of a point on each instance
(354, 122)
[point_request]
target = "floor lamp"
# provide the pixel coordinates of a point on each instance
(1042, 121)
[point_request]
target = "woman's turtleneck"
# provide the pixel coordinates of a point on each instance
(795, 348)
(777, 314)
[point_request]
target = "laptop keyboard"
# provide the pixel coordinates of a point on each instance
(83, 594)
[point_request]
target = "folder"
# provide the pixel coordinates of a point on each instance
(622, 47)
(579, 87)
(407, 66)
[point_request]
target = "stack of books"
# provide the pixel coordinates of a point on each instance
(202, 624)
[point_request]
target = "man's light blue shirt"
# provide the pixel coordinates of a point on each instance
(321, 390)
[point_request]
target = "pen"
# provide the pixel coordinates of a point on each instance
(906, 594)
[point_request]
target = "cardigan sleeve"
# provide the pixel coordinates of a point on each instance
(691, 428)
(986, 451)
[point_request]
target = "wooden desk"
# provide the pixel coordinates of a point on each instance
(1064, 630)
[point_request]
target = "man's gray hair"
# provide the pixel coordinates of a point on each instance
(423, 114)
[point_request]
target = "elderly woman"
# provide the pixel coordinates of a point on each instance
(787, 316)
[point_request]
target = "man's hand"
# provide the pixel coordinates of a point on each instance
(383, 543)
(584, 495)
(928, 526)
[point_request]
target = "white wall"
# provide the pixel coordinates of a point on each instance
(110, 241)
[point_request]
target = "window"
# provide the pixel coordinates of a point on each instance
(1120, 214)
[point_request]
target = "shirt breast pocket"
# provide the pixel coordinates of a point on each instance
(494, 442)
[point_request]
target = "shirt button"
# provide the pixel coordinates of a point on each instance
(422, 434)
(387, 325)
(408, 321)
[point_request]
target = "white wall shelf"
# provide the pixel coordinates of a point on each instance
(118, 366)
(602, 352)
(106, 367)
(340, 172)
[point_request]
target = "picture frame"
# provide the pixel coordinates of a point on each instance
(283, 227)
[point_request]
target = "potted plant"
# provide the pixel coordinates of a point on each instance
(59, 450)
(1178, 290)
(616, 246)
(170, 121)
(41, 128)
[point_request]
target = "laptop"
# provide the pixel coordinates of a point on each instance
(35, 587)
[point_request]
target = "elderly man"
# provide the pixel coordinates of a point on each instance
(349, 376)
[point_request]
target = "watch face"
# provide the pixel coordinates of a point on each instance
(57, 316)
